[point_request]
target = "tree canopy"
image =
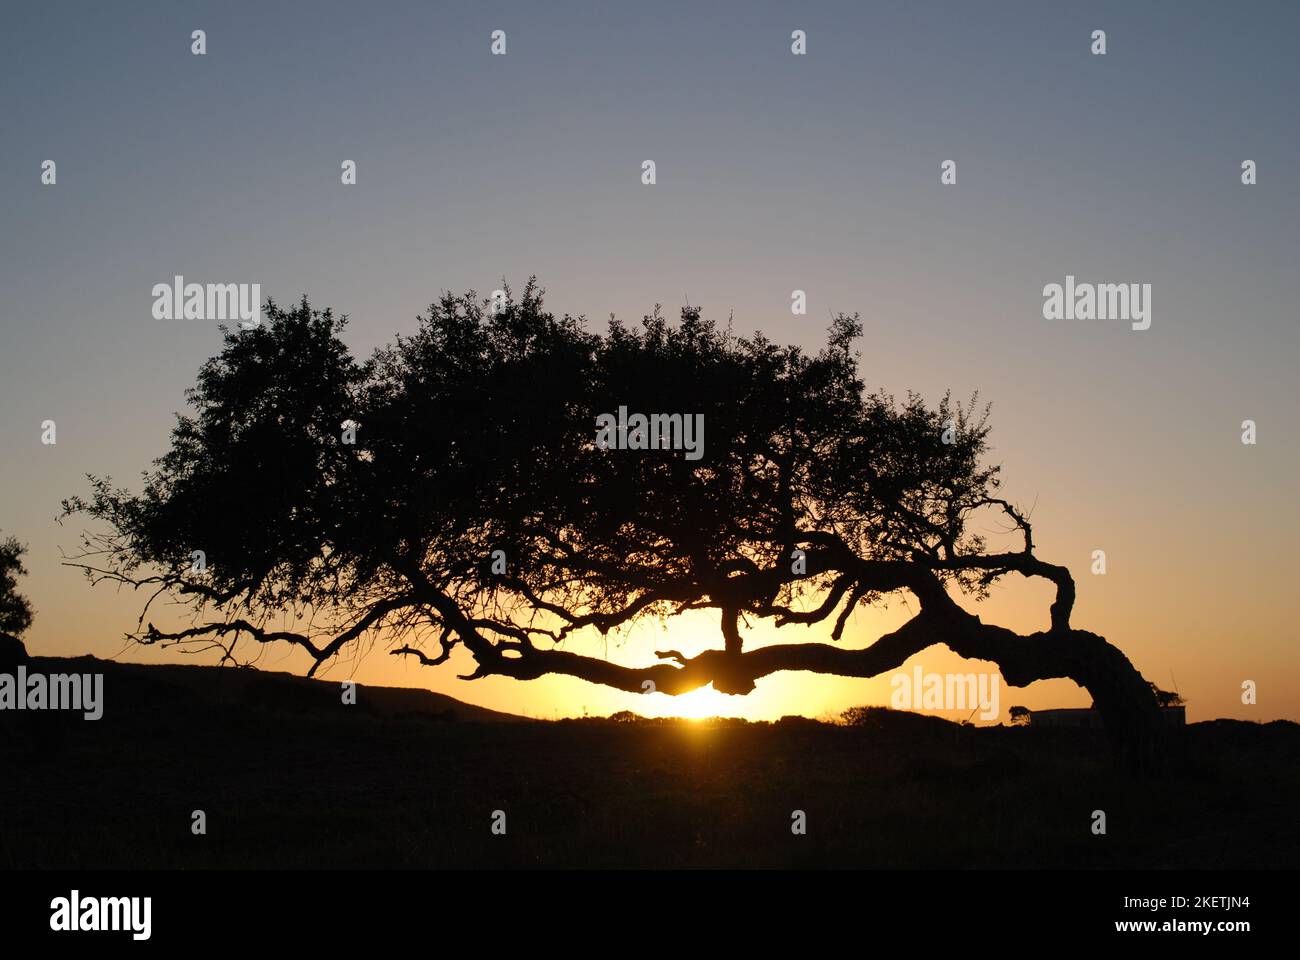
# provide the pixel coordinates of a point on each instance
(452, 490)
(15, 610)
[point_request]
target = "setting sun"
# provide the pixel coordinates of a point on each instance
(697, 705)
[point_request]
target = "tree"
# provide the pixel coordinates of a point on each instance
(15, 610)
(477, 510)
(1167, 698)
(1020, 716)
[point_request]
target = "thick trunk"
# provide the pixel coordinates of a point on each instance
(1126, 704)
(1120, 693)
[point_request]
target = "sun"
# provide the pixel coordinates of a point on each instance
(700, 704)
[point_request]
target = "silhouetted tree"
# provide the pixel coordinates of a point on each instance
(476, 509)
(15, 610)
(1167, 698)
(1020, 716)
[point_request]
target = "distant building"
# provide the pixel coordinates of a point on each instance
(1090, 719)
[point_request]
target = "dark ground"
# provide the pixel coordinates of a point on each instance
(289, 777)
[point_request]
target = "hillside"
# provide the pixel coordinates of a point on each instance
(287, 776)
(134, 687)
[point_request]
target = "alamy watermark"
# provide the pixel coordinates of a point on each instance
(947, 691)
(1098, 301)
(56, 691)
(658, 431)
(75, 913)
(179, 300)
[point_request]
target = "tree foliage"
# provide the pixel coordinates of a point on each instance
(15, 610)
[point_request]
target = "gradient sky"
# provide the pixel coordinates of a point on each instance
(775, 172)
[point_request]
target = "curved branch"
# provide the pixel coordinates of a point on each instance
(729, 672)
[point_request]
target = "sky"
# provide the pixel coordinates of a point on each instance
(775, 172)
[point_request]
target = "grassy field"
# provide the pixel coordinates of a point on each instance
(290, 777)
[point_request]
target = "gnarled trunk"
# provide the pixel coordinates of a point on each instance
(1120, 694)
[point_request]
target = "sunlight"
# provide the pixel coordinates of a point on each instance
(700, 704)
